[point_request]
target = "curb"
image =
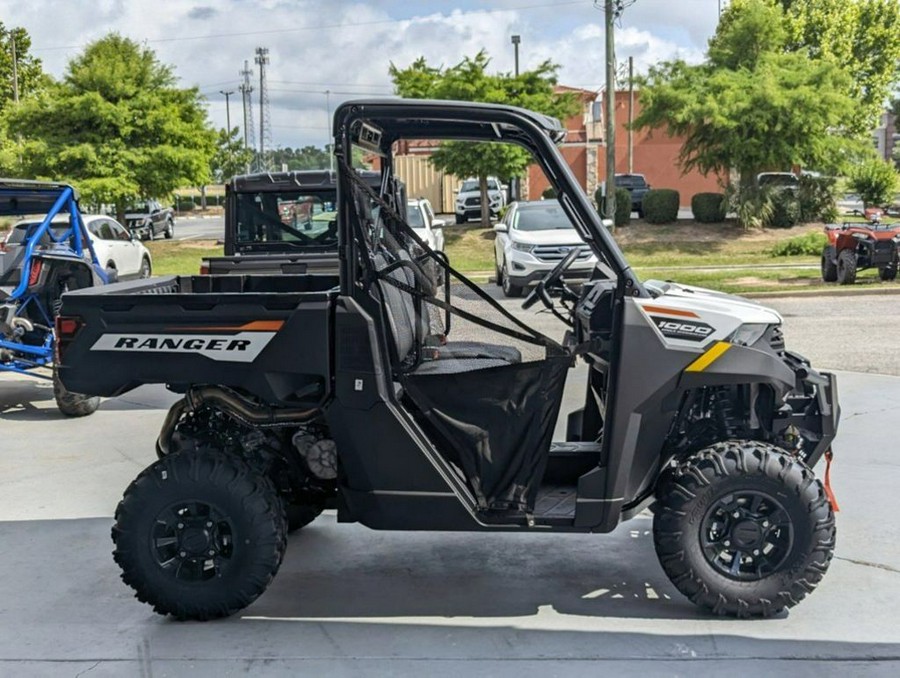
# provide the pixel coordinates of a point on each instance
(849, 292)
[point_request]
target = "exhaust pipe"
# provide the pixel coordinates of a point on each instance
(232, 404)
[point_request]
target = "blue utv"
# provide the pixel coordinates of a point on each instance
(48, 252)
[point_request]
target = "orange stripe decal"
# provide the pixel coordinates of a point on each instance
(670, 311)
(253, 326)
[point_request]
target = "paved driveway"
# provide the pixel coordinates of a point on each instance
(350, 601)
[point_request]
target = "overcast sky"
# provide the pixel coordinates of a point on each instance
(346, 46)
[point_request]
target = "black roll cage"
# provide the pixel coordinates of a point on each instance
(376, 124)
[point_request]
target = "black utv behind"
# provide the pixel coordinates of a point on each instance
(410, 405)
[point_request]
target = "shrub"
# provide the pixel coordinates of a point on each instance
(818, 198)
(785, 208)
(708, 208)
(549, 193)
(661, 205)
(875, 180)
(811, 244)
(623, 205)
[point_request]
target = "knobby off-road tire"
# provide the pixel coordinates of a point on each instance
(73, 404)
(829, 264)
(199, 535)
(846, 267)
(706, 511)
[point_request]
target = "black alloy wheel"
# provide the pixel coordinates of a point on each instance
(746, 535)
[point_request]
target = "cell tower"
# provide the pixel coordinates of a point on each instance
(265, 118)
(246, 88)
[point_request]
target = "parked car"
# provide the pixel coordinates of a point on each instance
(149, 219)
(468, 199)
(637, 185)
(532, 238)
(420, 217)
(780, 181)
(115, 247)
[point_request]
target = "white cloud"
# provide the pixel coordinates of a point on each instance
(207, 43)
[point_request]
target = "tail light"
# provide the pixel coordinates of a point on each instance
(35, 273)
(3, 246)
(204, 267)
(66, 329)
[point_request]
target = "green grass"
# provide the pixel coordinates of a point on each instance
(181, 258)
(664, 253)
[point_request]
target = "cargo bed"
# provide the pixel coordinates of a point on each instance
(262, 333)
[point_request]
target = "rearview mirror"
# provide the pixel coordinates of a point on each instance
(501, 228)
(438, 223)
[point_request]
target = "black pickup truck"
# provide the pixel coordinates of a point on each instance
(149, 219)
(350, 392)
(281, 222)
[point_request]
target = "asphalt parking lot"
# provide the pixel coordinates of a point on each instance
(350, 601)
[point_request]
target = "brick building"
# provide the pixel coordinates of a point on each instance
(655, 152)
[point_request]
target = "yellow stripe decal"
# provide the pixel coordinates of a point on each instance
(708, 358)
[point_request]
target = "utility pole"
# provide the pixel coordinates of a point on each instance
(227, 109)
(610, 15)
(630, 115)
(15, 67)
(265, 124)
(516, 39)
(330, 145)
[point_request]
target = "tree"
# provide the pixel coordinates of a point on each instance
(29, 73)
(116, 126)
(752, 106)
(231, 156)
(861, 36)
(875, 181)
(469, 81)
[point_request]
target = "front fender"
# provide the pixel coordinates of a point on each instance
(726, 364)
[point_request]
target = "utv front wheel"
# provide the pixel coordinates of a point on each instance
(199, 535)
(73, 404)
(846, 267)
(829, 264)
(744, 529)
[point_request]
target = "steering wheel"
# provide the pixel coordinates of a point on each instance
(540, 290)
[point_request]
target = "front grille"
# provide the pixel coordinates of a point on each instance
(473, 202)
(554, 253)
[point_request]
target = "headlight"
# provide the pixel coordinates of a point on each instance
(748, 334)
(522, 247)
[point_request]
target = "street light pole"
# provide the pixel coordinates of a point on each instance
(330, 144)
(516, 39)
(227, 94)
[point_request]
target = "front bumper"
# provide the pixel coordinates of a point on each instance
(812, 409)
(533, 276)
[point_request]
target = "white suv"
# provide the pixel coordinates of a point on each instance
(532, 238)
(468, 199)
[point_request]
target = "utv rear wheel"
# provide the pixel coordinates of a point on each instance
(846, 267)
(199, 535)
(829, 264)
(73, 404)
(744, 529)
(888, 273)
